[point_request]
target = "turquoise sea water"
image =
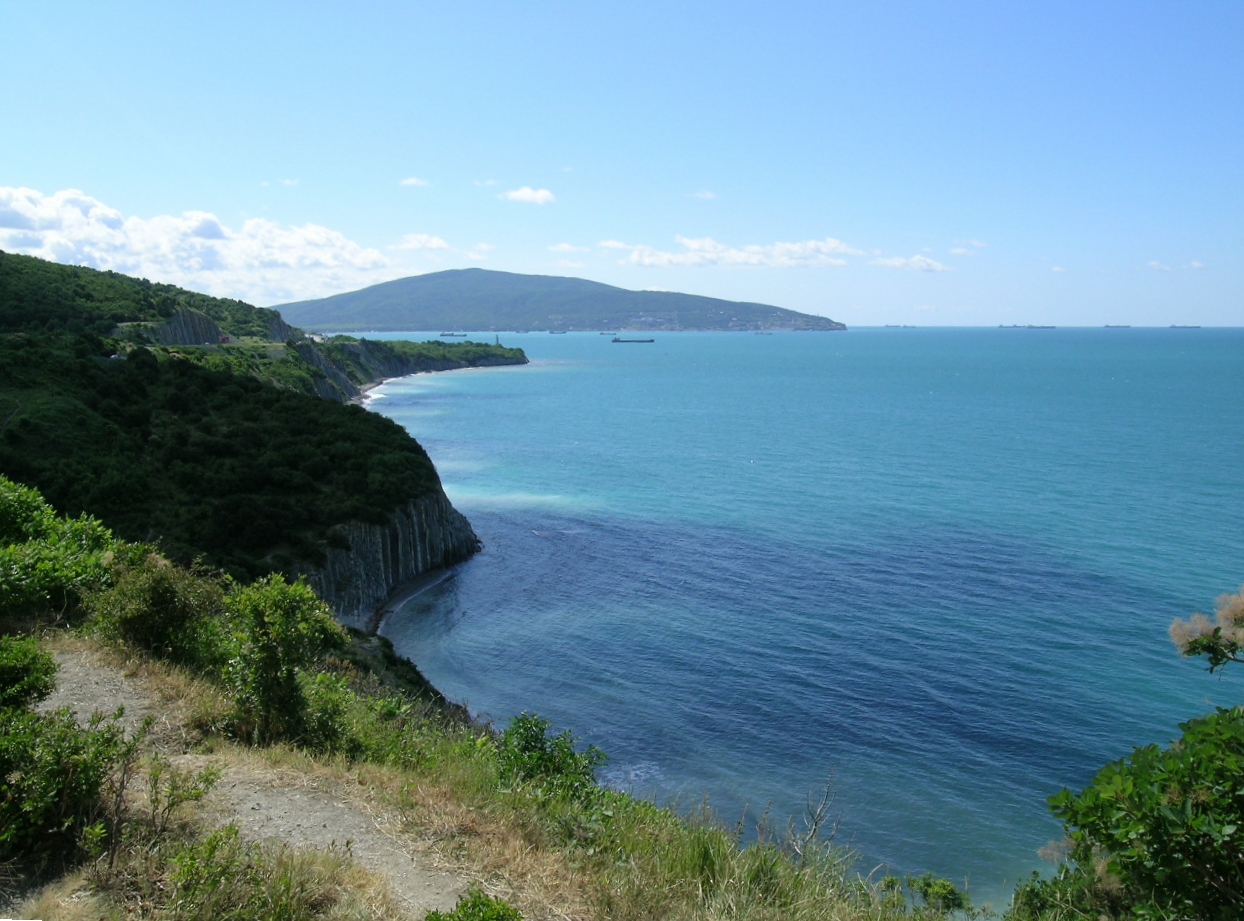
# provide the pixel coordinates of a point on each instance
(936, 565)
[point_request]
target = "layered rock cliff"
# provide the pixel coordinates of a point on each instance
(423, 535)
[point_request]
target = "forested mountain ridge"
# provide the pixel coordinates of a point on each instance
(218, 451)
(480, 299)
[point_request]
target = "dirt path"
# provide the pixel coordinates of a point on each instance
(267, 802)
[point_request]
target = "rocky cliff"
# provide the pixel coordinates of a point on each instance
(425, 534)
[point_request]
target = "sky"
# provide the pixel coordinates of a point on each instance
(927, 163)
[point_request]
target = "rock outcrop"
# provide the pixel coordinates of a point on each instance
(426, 534)
(188, 327)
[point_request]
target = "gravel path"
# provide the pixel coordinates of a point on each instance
(265, 802)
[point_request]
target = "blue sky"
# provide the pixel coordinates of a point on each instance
(953, 163)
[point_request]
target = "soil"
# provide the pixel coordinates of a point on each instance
(266, 802)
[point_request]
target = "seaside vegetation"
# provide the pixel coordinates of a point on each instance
(217, 452)
(280, 676)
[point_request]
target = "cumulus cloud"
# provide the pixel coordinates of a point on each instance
(916, 263)
(413, 180)
(260, 261)
(567, 248)
(420, 241)
(707, 251)
(1160, 266)
(529, 195)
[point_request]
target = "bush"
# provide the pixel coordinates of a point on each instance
(477, 906)
(281, 628)
(526, 753)
(1170, 820)
(48, 563)
(27, 672)
(52, 775)
(24, 515)
(166, 610)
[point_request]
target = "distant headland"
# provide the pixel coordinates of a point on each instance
(480, 299)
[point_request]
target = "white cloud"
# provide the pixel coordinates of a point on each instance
(420, 241)
(1057, 268)
(916, 263)
(704, 194)
(960, 251)
(413, 180)
(530, 195)
(1160, 266)
(1196, 265)
(260, 261)
(568, 248)
(289, 182)
(707, 251)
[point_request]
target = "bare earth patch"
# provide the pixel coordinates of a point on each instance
(297, 808)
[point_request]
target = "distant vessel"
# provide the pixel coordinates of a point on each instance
(1179, 326)
(618, 339)
(608, 334)
(1118, 326)
(451, 335)
(557, 332)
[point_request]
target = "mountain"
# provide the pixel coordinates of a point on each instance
(479, 299)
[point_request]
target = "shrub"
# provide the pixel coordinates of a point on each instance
(281, 628)
(24, 515)
(52, 774)
(476, 905)
(27, 672)
(526, 753)
(164, 609)
(1171, 820)
(48, 563)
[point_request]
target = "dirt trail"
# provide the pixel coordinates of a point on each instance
(266, 802)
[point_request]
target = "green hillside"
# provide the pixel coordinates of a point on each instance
(478, 299)
(218, 450)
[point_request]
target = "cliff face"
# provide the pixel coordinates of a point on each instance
(425, 534)
(188, 327)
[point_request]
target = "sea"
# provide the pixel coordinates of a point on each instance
(931, 570)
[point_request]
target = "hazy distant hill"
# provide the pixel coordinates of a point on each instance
(478, 299)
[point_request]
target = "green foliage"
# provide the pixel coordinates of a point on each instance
(222, 878)
(170, 787)
(164, 609)
(250, 478)
(477, 905)
(48, 563)
(27, 672)
(52, 776)
(40, 296)
(526, 753)
(1171, 820)
(366, 360)
(279, 629)
(24, 515)
(938, 893)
